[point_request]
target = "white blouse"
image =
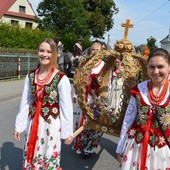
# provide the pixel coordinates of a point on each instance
(65, 105)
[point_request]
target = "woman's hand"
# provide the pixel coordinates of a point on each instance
(119, 158)
(68, 140)
(17, 135)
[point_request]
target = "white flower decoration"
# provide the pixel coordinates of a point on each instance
(161, 140)
(55, 110)
(53, 94)
(165, 119)
(132, 132)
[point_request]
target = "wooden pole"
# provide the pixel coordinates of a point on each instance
(78, 131)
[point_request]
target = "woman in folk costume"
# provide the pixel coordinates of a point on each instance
(144, 141)
(45, 111)
(87, 141)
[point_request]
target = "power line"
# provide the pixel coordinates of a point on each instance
(153, 5)
(151, 12)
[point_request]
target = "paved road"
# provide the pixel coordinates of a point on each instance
(11, 151)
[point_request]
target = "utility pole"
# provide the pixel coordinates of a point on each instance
(108, 40)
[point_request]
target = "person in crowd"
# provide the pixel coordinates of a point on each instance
(77, 56)
(86, 142)
(96, 46)
(60, 57)
(144, 141)
(46, 111)
(104, 46)
(78, 49)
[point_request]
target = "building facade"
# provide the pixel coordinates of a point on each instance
(165, 43)
(18, 12)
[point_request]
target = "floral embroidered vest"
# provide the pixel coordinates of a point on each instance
(50, 99)
(145, 121)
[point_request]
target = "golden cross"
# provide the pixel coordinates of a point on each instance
(127, 25)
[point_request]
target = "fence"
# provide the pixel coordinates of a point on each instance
(16, 66)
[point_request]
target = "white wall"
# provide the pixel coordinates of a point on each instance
(15, 7)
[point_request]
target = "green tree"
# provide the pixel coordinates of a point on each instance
(81, 18)
(151, 43)
(101, 16)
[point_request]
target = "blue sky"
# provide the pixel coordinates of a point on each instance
(150, 18)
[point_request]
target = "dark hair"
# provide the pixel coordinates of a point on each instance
(104, 45)
(159, 52)
(120, 57)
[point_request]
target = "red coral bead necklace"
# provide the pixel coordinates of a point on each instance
(157, 99)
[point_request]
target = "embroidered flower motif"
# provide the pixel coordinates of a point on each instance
(53, 94)
(124, 158)
(153, 140)
(40, 161)
(136, 164)
(48, 132)
(139, 137)
(42, 141)
(51, 138)
(55, 110)
(131, 148)
(38, 148)
(47, 89)
(165, 119)
(45, 110)
(46, 165)
(104, 128)
(142, 116)
(168, 109)
(55, 155)
(161, 140)
(132, 132)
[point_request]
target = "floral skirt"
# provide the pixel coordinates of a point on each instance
(48, 146)
(157, 158)
(88, 140)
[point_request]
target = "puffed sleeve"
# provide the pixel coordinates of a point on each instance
(66, 107)
(129, 118)
(22, 116)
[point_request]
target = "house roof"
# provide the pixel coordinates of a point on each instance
(166, 39)
(6, 4)
(20, 15)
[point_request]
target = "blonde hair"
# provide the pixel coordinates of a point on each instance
(53, 47)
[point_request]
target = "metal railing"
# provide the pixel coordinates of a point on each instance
(16, 65)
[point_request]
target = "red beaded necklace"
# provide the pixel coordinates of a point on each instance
(156, 100)
(46, 79)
